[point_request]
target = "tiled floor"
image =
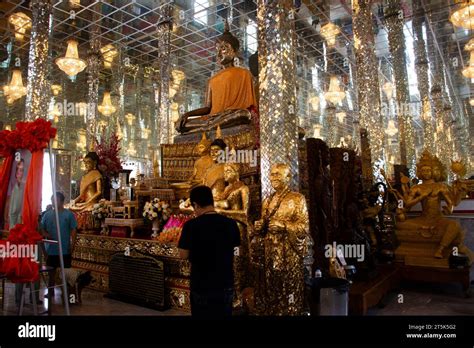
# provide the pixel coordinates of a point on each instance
(418, 299)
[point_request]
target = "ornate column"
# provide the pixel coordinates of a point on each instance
(368, 89)
(278, 120)
(93, 70)
(395, 21)
(422, 72)
(164, 34)
(38, 91)
(331, 126)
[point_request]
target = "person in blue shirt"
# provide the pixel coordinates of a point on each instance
(67, 226)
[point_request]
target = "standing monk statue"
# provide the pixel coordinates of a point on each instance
(284, 228)
(230, 93)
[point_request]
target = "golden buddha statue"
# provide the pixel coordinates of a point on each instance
(204, 162)
(229, 96)
(213, 175)
(234, 202)
(286, 242)
(432, 225)
(91, 185)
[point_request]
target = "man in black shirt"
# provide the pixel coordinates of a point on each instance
(209, 241)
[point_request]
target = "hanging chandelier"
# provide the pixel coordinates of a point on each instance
(15, 89)
(106, 108)
(391, 129)
(388, 90)
(463, 17)
(341, 116)
(21, 22)
(335, 94)
(317, 131)
(130, 118)
(71, 64)
(178, 75)
(56, 89)
(131, 149)
(470, 45)
(471, 101)
(109, 52)
(314, 101)
(469, 70)
(330, 31)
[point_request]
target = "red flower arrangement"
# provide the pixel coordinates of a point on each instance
(108, 150)
(32, 136)
(20, 268)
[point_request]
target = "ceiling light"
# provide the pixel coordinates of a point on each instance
(71, 64)
(335, 94)
(21, 22)
(106, 108)
(464, 16)
(330, 31)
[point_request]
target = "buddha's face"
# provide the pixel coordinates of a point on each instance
(225, 52)
(215, 152)
(436, 173)
(230, 174)
(89, 163)
(279, 177)
(201, 149)
(426, 173)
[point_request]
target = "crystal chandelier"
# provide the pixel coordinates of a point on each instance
(317, 131)
(15, 89)
(391, 129)
(341, 116)
(178, 76)
(146, 133)
(471, 101)
(130, 118)
(55, 112)
(21, 22)
(464, 16)
(330, 31)
(56, 89)
(106, 108)
(334, 94)
(388, 90)
(469, 70)
(470, 45)
(314, 101)
(71, 64)
(109, 52)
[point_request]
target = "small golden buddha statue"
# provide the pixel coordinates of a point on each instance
(234, 203)
(230, 93)
(432, 221)
(91, 185)
(213, 176)
(284, 228)
(204, 162)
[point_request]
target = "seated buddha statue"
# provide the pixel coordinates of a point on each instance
(230, 93)
(234, 203)
(432, 221)
(91, 185)
(213, 175)
(204, 162)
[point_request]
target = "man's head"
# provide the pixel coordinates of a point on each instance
(201, 198)
(217, 146)
(60, 199)
(20, 170)
(280, 176)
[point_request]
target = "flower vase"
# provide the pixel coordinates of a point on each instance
(103, 230)
(155, 228)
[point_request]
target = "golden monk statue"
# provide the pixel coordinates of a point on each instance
(230, 93)
(91, 185)
(204, 162)
(234, 203)
(432, 224)
(284, 228)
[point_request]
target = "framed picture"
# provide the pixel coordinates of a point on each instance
(16, 187)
